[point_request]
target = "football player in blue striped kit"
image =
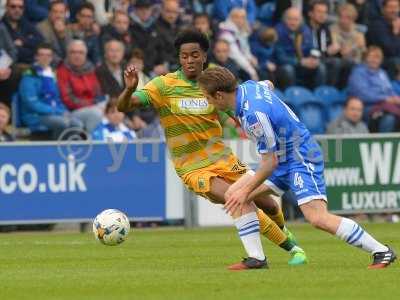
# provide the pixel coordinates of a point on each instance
(290, 158)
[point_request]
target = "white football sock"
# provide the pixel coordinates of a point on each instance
(248, 228)
(353, 234)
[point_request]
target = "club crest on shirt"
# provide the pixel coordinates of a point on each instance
(255, 130)
(202, 183)
(245, 105)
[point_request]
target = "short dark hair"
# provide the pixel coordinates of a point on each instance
(56, 2)
(201, 15)
(137, 53)
(314, 3)
(351, 98)
(217, 79)
(191, 36)
(43, 45)
(119, 13)
(86, 5)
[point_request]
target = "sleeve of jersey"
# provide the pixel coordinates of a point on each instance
(259, 125)
(151, 93)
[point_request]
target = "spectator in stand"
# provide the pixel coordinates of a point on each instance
(202, 23)
(41, 104)
(220, 57)
(111, 73)
(23, 33)
(263, 44)
(385, 33)
(283, 5)
(146, 37)
(87, 30)
(350, 41)
(318, 16)
(371, 84)
(299, 62)
(350, 122)
(105, 9)
(222, 9)
(54, 29)
(4, 119)
(37, 10)
(118, 30)
(168, 25)
(137, 60)
(362, 7)
(236, 31)
(79, 87)
(112, 126)
(8, 55)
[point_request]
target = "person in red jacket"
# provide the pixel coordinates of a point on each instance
(79, 87)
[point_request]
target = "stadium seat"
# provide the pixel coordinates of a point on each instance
(332, 98)
(309, 108)
(297, 95)
(312, 114)
(266, 13)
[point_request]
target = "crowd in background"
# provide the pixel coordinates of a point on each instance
(62, 61)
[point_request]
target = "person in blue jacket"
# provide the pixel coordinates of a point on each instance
(372, 85)
(41, 105)
(296, 54)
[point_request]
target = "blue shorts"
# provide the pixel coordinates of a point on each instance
(301, 171)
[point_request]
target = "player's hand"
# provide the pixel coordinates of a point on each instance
(131, 78)
(235, 201)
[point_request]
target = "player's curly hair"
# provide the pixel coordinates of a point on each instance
(217, 79)
(191, 36)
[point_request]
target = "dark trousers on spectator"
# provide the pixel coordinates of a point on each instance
(289, 75)
(338, 71)
(381, 121)
(58, 124)
(384, 123)
(9, 87)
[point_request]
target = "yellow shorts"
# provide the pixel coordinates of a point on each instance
(230, 169)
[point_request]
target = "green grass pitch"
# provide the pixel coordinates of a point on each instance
(189, 264)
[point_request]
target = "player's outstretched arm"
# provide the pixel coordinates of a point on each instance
(127, 102)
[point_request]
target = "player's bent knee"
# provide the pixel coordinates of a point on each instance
(267, 204)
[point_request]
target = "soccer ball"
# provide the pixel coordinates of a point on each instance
(111, 227)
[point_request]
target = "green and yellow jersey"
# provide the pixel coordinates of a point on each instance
(191, 124)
